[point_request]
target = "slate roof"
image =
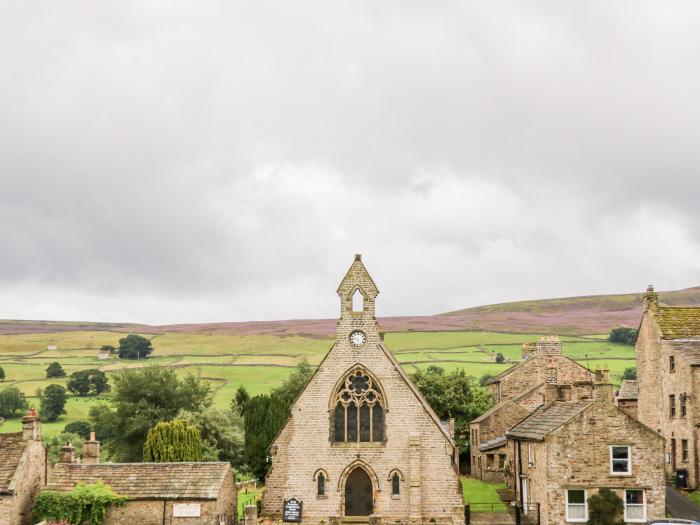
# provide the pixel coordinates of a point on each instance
(146, 480)
(493, 443)
(690, 350)
(544, 420)
(516, 366)
(628, 390)
(678, 322)
(12, 447)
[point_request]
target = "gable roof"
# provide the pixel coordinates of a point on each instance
(494, 409)
(358, 268)
(678, 322)
(513, 368)
(628, 390)
(546, 419)
(12, 447)
(146, 480)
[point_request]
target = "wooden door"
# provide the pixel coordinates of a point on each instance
(358, 494)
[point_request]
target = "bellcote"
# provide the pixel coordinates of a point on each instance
(357, 292)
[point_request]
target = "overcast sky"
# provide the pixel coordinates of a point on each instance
(220, 161)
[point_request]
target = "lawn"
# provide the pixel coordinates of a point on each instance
(482, 496)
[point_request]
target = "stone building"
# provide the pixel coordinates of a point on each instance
(626, 397)
(361, 440)
(22, 471)
(542, 362)
(565, 451)
(668, 376)
(490, 460)
(173, 493)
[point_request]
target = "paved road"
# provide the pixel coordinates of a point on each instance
(679, 506)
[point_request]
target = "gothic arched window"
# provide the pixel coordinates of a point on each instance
(395, 484)
(359, 410)
(321, 484)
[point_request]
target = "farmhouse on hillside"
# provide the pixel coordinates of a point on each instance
(184, 493)
(22, 471)
(668, 372)
(565, 451)
(361, 440)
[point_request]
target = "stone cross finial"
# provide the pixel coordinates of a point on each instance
(651, 299)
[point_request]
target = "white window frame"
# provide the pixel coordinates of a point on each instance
(644, 506)
(585, 507)
(629, 461)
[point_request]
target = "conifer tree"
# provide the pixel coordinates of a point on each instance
(173, 441)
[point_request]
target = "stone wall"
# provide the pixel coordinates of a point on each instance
(29, 479)
(648, 347)
(156, 512)
(578, 456)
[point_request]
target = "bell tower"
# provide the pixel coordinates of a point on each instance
(357, 326)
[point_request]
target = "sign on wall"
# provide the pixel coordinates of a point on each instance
(187, 510)
(291, 511)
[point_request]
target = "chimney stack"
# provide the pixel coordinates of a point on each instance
(66, 454)
(31, 426)
(603, 389)
(91, 450)
(651, 299)
(583, 390)
(551, 394)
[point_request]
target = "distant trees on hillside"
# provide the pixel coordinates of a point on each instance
(55, 370)
(110, 349)
(625, 336)
(500, 358)
(85, 382)
(630, 373)
(134, 347)
(2, 374)
(454, 395)
(52, 402)
(80, 428)
(12, 400)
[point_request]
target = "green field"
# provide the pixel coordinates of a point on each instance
(261, 362)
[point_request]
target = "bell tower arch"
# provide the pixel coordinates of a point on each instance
(357, 325)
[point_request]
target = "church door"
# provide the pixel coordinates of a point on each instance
(358, 494)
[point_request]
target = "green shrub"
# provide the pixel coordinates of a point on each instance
(173, 441)
(84, 504)
(605, 508)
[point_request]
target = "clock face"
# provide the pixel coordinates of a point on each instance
(357, 338)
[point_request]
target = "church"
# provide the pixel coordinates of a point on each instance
(361, 444)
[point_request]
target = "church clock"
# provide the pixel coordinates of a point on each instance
(358, 338)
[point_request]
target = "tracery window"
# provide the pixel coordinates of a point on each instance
(359, 410)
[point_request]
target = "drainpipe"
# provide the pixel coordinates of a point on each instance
(164, 502)
(519, 470)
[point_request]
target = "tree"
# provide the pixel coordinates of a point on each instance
(630, 373)
(485, 379)
(625, 336)
(171, 442)
(85, 382)
(454, 395)
(265, 415)
(12, 400)
(242, 397)
(110, 349)
(500, 358)
(80, 428)
(55, 370)
(221, 432)
(134, 347)
(2, 374)
(142, 398)
(53, 402)
(605, 508)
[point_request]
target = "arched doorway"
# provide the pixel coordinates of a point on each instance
(358, 493)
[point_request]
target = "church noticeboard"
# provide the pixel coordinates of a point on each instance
(187, 510)
(291, 511)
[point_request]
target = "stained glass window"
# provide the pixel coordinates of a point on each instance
(359, 413)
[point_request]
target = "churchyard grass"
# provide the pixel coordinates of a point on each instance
(478, 492)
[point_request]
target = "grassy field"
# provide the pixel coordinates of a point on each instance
(261, 362)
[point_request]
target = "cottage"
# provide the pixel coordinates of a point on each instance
(490, 460)
(22, 471)
(565, 451)
(173, 493)
(542, 362)
(361, 440)
(668, 372)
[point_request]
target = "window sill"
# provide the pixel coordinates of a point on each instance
(396, 496)
(359, 444)
(321, 497)
(621, 474)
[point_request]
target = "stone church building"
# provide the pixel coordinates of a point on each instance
(361, 443)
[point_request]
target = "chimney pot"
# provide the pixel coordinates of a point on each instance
(67, 453)
(91, 450)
